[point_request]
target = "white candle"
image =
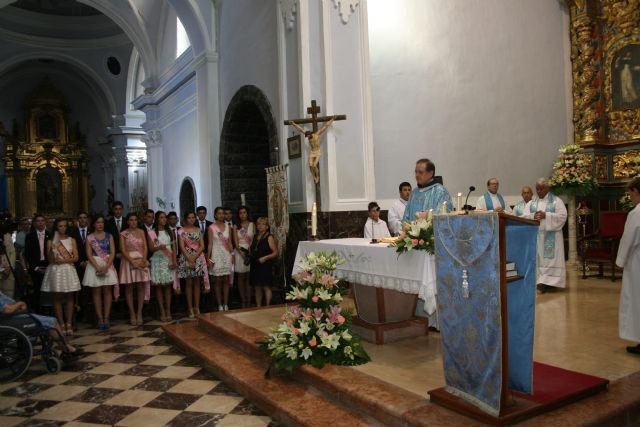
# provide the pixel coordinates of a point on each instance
(243, 202)
(459, 202)
(444, 207)
(314, 219)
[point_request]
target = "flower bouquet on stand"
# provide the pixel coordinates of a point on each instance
(572, 176)
(416, 234)
(317, 330)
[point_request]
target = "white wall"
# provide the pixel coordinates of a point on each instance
(477, 86)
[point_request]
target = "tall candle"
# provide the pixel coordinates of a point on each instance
(459, 202)
(243, 202)
(444, 207)
(314, 219)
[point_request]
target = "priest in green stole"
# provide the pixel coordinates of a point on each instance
(429, 194)
(552, 214)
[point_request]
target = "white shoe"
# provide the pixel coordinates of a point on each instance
(220, 308)
(226, 307)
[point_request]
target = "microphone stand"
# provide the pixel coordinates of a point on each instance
(373, 239)
(467, 207)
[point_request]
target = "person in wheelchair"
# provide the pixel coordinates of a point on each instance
(10, 308)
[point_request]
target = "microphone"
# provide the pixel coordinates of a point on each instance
(373, 238)
(466, 207)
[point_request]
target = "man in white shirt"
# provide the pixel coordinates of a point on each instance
(492, 200)
(375, 228)
(396, 213)
(527, 195)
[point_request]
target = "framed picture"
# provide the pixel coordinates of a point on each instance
(294, 144)
(625, 78)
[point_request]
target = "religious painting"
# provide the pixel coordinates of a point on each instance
(294, 145)
(625, 78)
(49, 190)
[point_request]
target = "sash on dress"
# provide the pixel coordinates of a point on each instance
(62, 251)
(138, 246)
(93, 242)
(190, 244)
(549, 236)
(228, 246)
(168, 254)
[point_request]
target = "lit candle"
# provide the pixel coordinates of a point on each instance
(243, 202)
(444, 207)
(314, 220)
(459, 202)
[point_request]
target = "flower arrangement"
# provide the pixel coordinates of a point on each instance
(417, 234)
(316, 330)
(572, 172)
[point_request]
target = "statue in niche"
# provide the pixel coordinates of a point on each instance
(49, 190)
(47, 127)
(625, 78)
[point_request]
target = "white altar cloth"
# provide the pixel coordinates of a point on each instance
(378, 265)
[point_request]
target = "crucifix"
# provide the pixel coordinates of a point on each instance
(313, 136)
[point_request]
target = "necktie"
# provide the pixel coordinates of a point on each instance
(202, 226)
(41, 242)
(118, 223)
(84, 234)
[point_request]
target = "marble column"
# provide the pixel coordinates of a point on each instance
(155, 182)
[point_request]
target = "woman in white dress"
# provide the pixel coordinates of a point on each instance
(221, 258)
(629, 259)
(61, 277)
(163, 264)
(100, 274)
(243, 235)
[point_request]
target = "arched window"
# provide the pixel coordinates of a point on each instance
(182, 39)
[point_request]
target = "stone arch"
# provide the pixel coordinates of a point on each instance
(187, 197)
(247, 146)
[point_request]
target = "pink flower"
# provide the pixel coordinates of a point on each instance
(414, 242)
(313, 342)
(315, 298)
(402, 235)
(289, 322)
(421, 242)
(307, 315)
(318, 313)
(296, 331)
(334, 314)
(341, 319)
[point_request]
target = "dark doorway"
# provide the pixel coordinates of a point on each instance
(187, 197)
(247, 144)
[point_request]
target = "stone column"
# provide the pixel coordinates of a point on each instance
(121, 176)
(155, 158)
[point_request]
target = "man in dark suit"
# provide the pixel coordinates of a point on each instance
(80, 233)
(35, 252)
(203, 223)
(113, 227)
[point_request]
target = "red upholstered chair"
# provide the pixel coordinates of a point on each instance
(602, 246)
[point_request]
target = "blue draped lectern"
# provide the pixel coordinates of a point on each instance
(486, 318)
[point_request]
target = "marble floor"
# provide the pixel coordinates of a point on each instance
(130, 376)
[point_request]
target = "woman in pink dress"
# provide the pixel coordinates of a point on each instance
(134, 267)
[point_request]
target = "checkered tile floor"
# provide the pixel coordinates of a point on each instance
(130, 376)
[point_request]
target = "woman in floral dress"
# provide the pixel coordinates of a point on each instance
(243, 234)
(191, 264)
(134, 267)
(100, 274)
(221, 258)
(61, 277)
(163, 263)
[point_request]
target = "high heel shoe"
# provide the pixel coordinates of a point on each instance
(191, 315)
(140, 321)
(68, 330)
(196, 311)
(133, 321)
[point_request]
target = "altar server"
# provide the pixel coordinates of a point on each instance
(552, 214)
(396, 212)
(375, 228)
(491, 200)
(629, 259)
(429, 194)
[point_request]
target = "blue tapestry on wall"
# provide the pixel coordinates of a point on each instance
(468, 282)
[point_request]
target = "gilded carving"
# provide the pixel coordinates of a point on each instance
(625, 164)
(622, 15)
(602, 168)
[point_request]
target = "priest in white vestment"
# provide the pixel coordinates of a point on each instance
(552, 214)
(396, 213)
(491, 200)
(629, 259)
(527, 195)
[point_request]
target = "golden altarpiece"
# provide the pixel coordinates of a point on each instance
(605, 54)
(45, 160)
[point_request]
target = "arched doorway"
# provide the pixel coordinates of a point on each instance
(187, 197)
(247, 143)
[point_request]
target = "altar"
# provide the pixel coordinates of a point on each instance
(385, 284)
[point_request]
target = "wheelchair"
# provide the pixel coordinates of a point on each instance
(22, 337)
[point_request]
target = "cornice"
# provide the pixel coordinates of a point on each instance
(53, 42)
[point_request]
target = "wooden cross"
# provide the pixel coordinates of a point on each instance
(313, 137)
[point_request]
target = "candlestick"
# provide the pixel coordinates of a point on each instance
(243, 202)
(314, 220)
(459, 202)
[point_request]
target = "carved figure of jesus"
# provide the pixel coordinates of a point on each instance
(314, 144)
